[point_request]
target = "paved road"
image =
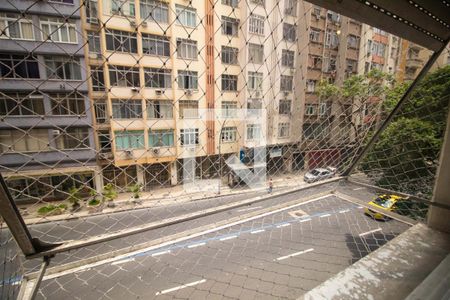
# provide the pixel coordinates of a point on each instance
(281, 255)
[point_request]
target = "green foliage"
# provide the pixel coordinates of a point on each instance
(94, 202)
(136, 190)
(109, 192)
(52, 209)
(74, 196)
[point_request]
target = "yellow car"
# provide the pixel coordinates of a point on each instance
(383, 202)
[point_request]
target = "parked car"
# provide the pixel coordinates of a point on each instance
(319, 174)
(383, 202)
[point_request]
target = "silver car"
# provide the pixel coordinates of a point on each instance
(319, 174)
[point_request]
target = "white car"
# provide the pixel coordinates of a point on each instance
(319, 174)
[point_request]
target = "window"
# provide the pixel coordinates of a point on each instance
(316, 11)
(186, 48)
(333, 17)
(91, 11)
(101, 112)
(353, 41)
(254, 106)
(21, 104)
(323, 109)
(287, 58)
(229, 109)
(329, 64)
(123, 41)
(286, 83)
(58, 30)
(314, 35)
(314, 131)
(18, 66)
(129, 139)
(258, 2)
(186, 16)
(352, 66)
(159, 109)
(98, 81)
(156, 11)
(311, 86)
(378, 48)
(62, 67)
(283, 130)
(188, 109)
(229, 82)
(232, 3)
(127, 109)
(94, 42)
(285, 107)
(189, 136)
(104, 140)
(315, 62)
(290, 7)
(187, 80)
(124, 76)
(230, 26)
(158, 78)
(71, 138)
(155, 45)
(160, 138)
(255, 81)
(253, 131)
(67, 104)
(256, 24)
(229, 55)
(122, 7)
(228, 134)
(379, 31)
(255, 53)
(310, 109)
(331, 39)
(31, 140)
(14, 26)
(289, 32)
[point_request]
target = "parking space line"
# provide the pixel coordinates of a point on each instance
(360, 188)
(283, 225)
(122, 261)
(344, 211)
(180, 287)
(257, 231)
(228, 238)
(325, 215)
(305, 220)
(160, 253)
(369, 232)
(294, 254)
(196, 245)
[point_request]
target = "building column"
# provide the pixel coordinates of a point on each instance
(98, 180)
(140, 175)
(288, 160)
(173, 173)
(439, 217)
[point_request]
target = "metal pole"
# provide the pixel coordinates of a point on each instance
(41, 273)
(220, 157)
(399, 105)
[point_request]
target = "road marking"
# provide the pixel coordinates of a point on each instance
(283, 225)
(257, 231)
(325, 215)
(369, 232)
(122, 261)
(196, 245)
(360, 188)
(180, 287)
(250, 208)
(344, 211)
(160, 253)
(295, 254)
(228, 238)
(360, 207)
(305, 220)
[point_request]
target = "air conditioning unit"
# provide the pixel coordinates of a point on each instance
(93, 55)
(144, 23)
(135, 89)
(155, 151)
(56, 132)
(128, 152)
(188, 92)
(132, 23)
(159, 92)
(286, 94)
(257, 94)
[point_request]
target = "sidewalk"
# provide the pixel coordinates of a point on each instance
(200, 190)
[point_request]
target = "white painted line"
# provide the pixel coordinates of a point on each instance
(283, 225)
(184, 238)
(196, 245)
(122, 261)
(360, 207)
(305, 220)
(295, 254)
(326, 215)
(228, 238)
(360, 188)
(250, 208)
(344, 211)
(369, 232)
(180, 287)
(257, 231)
(160, 253)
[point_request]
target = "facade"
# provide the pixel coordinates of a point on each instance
(46, 135)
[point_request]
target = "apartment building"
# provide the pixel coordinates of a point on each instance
(46, 136)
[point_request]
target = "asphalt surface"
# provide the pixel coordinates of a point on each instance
(280, 255)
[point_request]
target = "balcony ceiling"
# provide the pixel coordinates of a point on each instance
(424, 22)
